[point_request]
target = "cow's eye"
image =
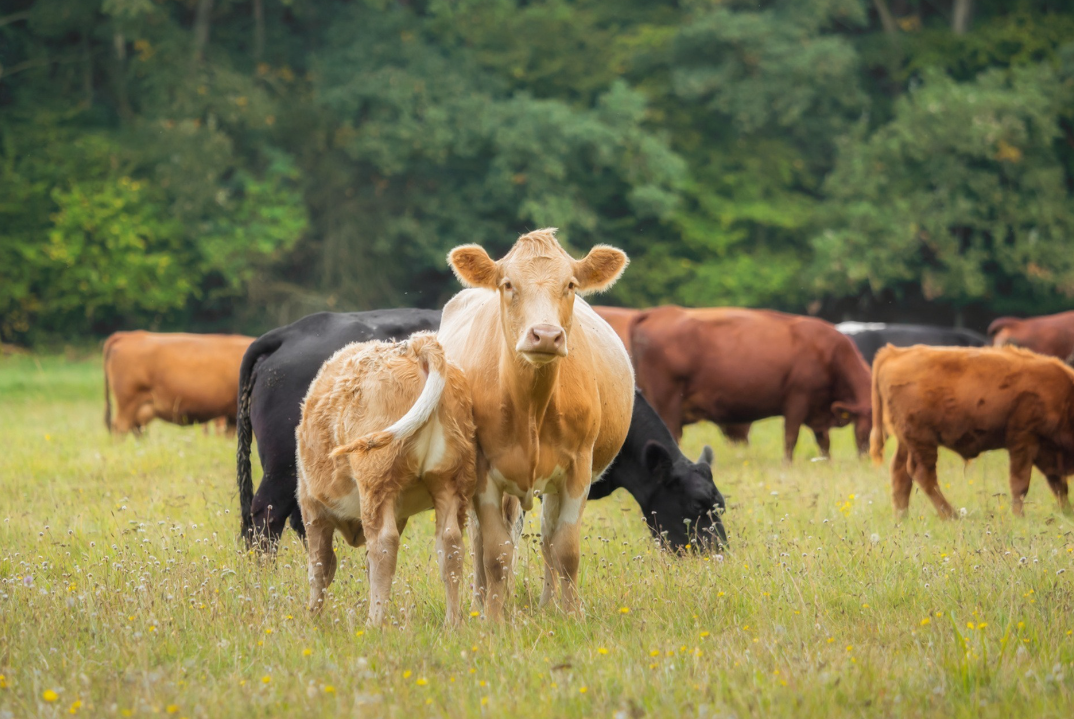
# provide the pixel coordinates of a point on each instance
(571, 286)
(507, 287)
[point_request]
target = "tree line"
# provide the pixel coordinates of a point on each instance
(235, 164)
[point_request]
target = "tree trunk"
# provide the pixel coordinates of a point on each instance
(960, 18)
(886, 19)
(259, 30)
(202, 23)
(119, 41)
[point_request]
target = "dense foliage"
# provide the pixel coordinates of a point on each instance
(237, 163)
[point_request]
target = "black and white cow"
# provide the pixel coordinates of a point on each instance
(871, 336)
(677, 496)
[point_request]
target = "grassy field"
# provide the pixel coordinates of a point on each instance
(123, 592)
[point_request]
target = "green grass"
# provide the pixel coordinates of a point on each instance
(122, 587)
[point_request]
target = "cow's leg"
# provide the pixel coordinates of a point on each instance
(143, 415)
(923, 467)
(497, 552)
(550, 505)
(449, 548)
(322, 560)
(1058, 485)
(794, 415)
(566, 550)
(1022, 455)
(901, 481)
(824, 441)
(382, 549)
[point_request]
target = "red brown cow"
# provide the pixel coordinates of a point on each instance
(1051, 335)
(180, 378)
(972, 401)
(735, 365)
(620, 318)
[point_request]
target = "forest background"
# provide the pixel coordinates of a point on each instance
(235, 164)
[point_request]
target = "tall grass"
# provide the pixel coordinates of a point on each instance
(123, 592)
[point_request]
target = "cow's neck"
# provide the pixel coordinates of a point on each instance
(531, 391)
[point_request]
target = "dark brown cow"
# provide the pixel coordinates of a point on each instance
(180, 378)
(972, 401)
(620, 318)
(1051, 335)
(734, 366)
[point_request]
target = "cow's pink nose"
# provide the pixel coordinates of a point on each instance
(545, 339)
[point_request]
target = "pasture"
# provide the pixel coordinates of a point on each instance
(124, 592)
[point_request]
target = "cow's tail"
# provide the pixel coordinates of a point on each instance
(106, 352)
(877, 436)
(255, 353)
(431, 355)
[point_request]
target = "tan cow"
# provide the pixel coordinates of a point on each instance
(180, 378)
(553, 392)
(972, 401)
(365, 481)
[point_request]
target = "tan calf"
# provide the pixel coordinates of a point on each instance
(365, 481)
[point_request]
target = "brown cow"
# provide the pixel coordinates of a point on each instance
(553, 392)
(734, 365)
(366, 481)
(620, 318)
(1051, 335)
(972, 401)
(180, 378)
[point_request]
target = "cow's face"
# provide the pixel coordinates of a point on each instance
(686, 508)
(537, 282)
(862, 418)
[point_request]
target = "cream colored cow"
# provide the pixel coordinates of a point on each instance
(365, 481)
(553, 392)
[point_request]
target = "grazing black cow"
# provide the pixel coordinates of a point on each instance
(274, 376)
(280, 365)
(677, 497)
(871, 336)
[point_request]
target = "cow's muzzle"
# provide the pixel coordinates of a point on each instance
(543, 343)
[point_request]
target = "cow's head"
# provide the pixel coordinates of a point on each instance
(862, 417)
(537, 282)
(686, 507)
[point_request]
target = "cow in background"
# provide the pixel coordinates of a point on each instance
(620, 319)
(733, 365)
(553, 393)
(871, 336)
(1051, 335)
(972, 401)
(180, 378)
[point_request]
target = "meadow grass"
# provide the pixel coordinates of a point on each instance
(123, 592)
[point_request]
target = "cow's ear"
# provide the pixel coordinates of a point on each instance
(657, 459)
(599, 270)
(473, 266)
(707, 456)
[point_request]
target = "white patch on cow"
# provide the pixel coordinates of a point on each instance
(570, 508)
(349, 507)
(431, 446)
(853, 328)
(491, 494)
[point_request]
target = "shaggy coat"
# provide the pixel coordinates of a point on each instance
(386, 432)
(180, 378)
(972, 401)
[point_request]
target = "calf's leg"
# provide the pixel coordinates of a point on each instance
(901, 481)
(322, 560)
(824, 441)
(382, 549)
(923, 466)
(1022, 456)
(449, 550)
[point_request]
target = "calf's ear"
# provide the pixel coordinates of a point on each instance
(599, 270)
(473, 266)
(657, 459)
(707, 456)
